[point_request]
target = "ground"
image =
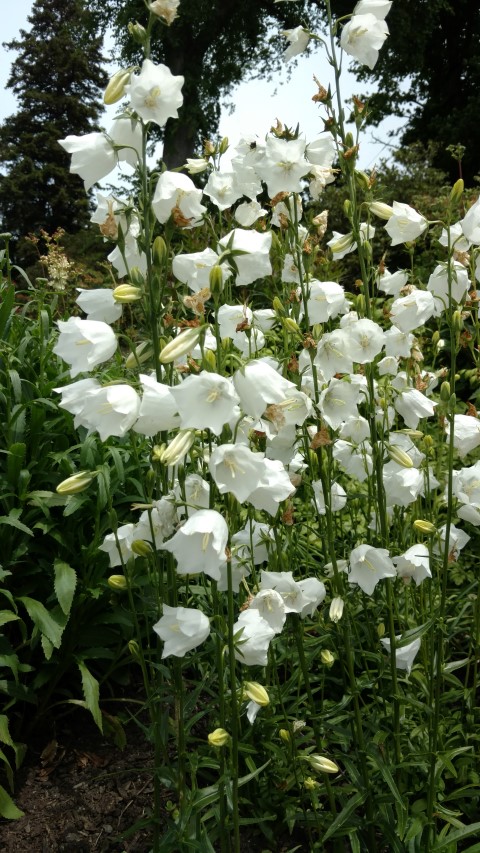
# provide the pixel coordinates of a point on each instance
(80, 792)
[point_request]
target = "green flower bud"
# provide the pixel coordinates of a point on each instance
(218, 738)
(423, 526)
(141, 354)
(378, 208)
(285, 735)
(215, 280)
(181, 345)
(445, 392)
(223, 145)
(117, 582)
(321, 764)
(179, 447)
(327, 657)
(399, 456)
(457, 191)
(76, 484)
(159, 251)
(141, 548)
(137, 277)
(256, 693)
(126, 293)
(138, 33)
(116, 86)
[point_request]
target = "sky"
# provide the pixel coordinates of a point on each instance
(257, 103)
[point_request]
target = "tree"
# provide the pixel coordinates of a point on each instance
(214, 44)
(57, 78)
(429, 73)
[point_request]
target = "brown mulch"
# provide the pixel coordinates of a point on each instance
(80, 792)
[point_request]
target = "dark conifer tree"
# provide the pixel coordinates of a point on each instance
(57, 78)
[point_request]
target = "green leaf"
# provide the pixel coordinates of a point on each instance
(4, 732)
(414, 634)
(344, 815)
(8, 299)
(457, 835)
(14, 522)
(65, 583)
(8, 809)
(43, 620)
(7, 616)
(91, 693)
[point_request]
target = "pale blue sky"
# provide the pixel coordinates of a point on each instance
(258, 103)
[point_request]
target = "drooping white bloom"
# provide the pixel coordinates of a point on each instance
(365, 340)
(322, 151)
(230, 317)
(454, 237)
(456, 541)
(298, 40)
(73, 395)
(283, 165)
(339, 402)
(126, 133)
(289, 589)
(250, 543)
(392, 283)
(332, 354)
(199, 545)
(158, 409)
(236, 469)
(466, 488)
(197, 494)
(402, 485)
(326, 300)
(205, 400)
(166, 9)
(176, 194)
(273, 488)
(194, 269)
(158, 523)
(398, 343)
(119, 546)
(248, 212)
(338, 497)
(155, 94)
(471, 223)
(222, 190)
(379, 8)
(409, 312)
(181, 629)
(271, 607)
(99, 304)
(256, 263)
(414, 563)
(405, 224)
(405, 655)
(109, 410)
(368, 566)
(258, 385)
(84, 344)
(93, 156)
(356, 428)
(466, 433)
(363, 36)
(251, 647)
(413, 405)
(313, 592)
(438, 285)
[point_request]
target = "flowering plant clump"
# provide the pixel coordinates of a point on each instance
(282, 426)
